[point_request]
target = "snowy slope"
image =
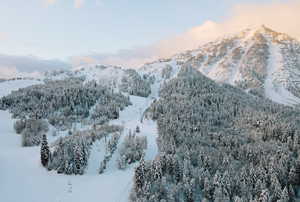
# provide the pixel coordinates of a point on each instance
(106, 75)
(253, 59)
(24, 179)
(257, 58)
(273, 90)
(11, 85)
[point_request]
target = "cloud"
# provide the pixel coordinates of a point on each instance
(12, 72)
(280, 16)
(8, 72)
(3, 36)
(127, 58)
(50, 2)
(78, 3)
(13, 66)
(99, 2)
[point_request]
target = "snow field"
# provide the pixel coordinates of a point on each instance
(277, 93)
(22, 178)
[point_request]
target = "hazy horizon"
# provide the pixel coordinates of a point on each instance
(49, 34)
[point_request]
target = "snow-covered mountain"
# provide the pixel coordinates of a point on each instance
(259, 60)
(190, 123)
(105, 74)
(32, 182)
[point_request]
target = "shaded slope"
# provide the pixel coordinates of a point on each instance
(219, 143)
(244, 60)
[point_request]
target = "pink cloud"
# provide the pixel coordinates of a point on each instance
(77, 3)
(50, 2)
(12, 72)
(282, 17)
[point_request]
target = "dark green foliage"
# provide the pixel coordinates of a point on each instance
(134, 84)
(64, 102)
(108, 107)
(19, 126)
(131, 150)
(32, 133)
(70, 154)
(137, 129)
(217, 142)
(45, 152)
(111, 147)
(166, 72)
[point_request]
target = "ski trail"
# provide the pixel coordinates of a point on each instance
(275, 91)
(22, 165)
(96, 156)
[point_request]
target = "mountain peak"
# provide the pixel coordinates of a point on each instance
(264, 29)
(261, 29)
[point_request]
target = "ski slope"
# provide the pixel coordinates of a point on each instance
(11, 85)
(273, 91)
(22, 178)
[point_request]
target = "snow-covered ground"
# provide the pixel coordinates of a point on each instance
(273, 91)
(22, 178)
(8, 86)
(106, 75)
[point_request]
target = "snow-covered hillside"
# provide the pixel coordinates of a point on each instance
(276, 90)
(257, 59)
(104, 74)
(7, 86)
(24, 179)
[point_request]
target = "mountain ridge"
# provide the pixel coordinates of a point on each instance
(165, 132)
(259, 60)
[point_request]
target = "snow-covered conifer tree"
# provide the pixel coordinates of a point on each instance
(45, 152)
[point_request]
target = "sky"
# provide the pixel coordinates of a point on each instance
(39, 35)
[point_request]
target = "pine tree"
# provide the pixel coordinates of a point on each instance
(139, 179)
(265, 196)
(276, 187)
(122, 162)
(78, 159)
(205, 200)
(143, 166)
(292, 177)
(137, 130)
(177, 171)
(45, 152)
(291, 191)
(102, 166)
(157, 170)
(258, 187)
(207, 190)
(220, 195)
(297, 168)
(284, 196)
(238, 199)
